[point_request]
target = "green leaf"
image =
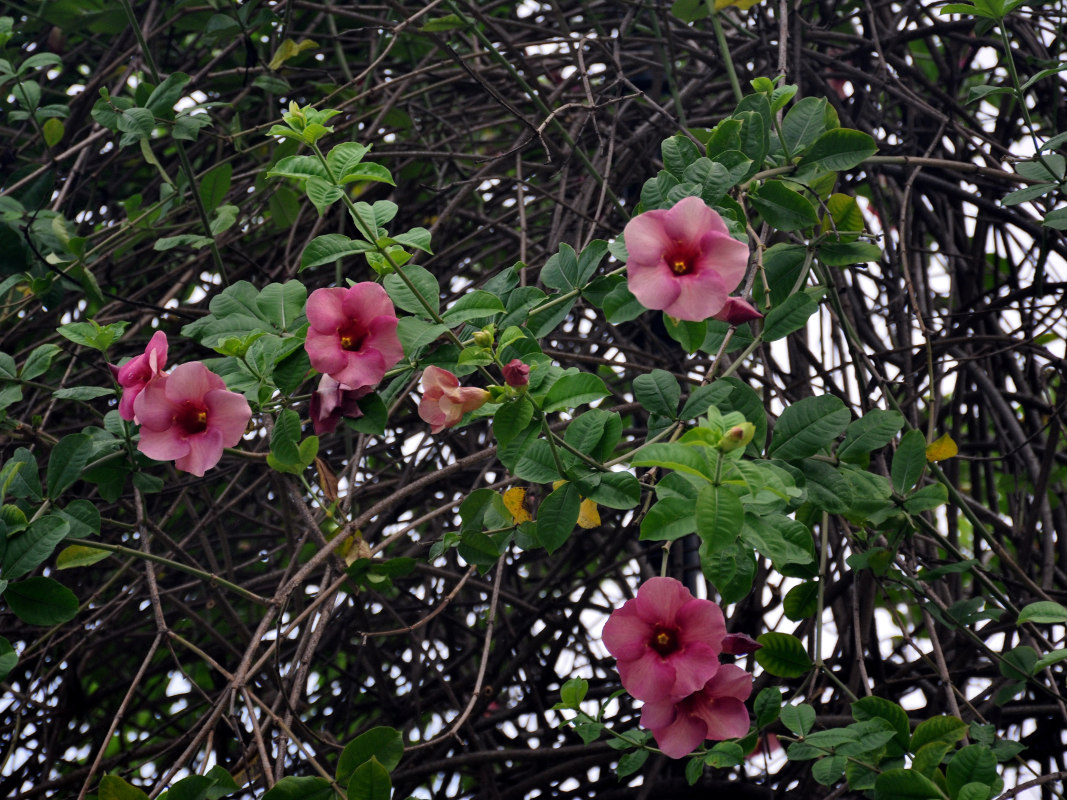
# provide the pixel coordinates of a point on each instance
(41, 601)
(112, 787)
(767, 706)
(556, 517)
(801, 601)
(82, 393)
(828, 771)
(725, 754)
(424, 283)
(867, 708)
(215, 185)
(631, 762)
(669, 519)
(536, 464)
(800, 718)
(370, 781)
(1028, 193)
(573, 692)
(478, 549)
(294, 788)
(679, 457)
(161, 101)
(322, 193)
(299, 168)
(417, 238)
(719, 517)
(974, 763)
(803, 124)
(937, 729)
(909, 461)
(138, 122)
(844, 254)
(1056, 219)
(446, 23)
(330, 247)
(8, 658)
(344, 157)
(31, 547)
(730, 571)
(905, 784)
(383, 743)
(840, 149)
(783, 208)
(658, 393)
(975, 791)
(619, 490)
(79, 555)
(782, 655)
(194, 240)
(574, 390)
(789, 316)
(511, 419)
(808, 427)
(38, 361)
(282, 304)
(477, 304)
(872, 431)
(595, 433)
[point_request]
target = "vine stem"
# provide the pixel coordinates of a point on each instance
(175, 565)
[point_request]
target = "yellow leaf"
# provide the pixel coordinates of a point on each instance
(53, 131)
(588, 515)
(78, 555)
(288, 49)
(515, 501)
(941, 449)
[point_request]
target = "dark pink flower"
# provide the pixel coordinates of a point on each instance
(352, 334)
(716, 711)
(666, 641)
(737, 311)
(136, 373)
(683, 260)
(444, 401)
(516, 373)
(188, 416)
(332, 401)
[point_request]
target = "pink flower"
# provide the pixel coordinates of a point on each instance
(352, 334)
(683, 260)
(516, 373)
(136, 373)
(331, 401)
(444, 402)
(716, 711)
(666, 641)
(189, 416)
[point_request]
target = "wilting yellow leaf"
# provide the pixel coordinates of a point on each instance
(515, 501)
(941, 449)
(588, 515)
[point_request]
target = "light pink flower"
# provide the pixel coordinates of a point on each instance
(716, 711)
(516, 373)
(136, 373)
(683, 260)
(352, 334)
(444, 401)
(188, 416)
(331, 401)
(666, 641)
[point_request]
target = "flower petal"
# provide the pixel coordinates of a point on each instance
(228, 413)
(681, 737)
(205, 450)
(690, 218)
(649, 678)
(325, 310)
(654, 285)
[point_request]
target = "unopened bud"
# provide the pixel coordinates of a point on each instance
(516, 373)
(739, 644)
(737, 437)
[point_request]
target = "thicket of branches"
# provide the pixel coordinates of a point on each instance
(522, 128)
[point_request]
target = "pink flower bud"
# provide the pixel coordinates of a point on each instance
(737, 311)
(739, 644)
(139, 371)
(516, 373)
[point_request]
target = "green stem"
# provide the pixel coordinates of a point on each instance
(727, 59)
(211, 578)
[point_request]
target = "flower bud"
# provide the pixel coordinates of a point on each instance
(739, 644)
(483, 338)
(516, 373)
(737, 437)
